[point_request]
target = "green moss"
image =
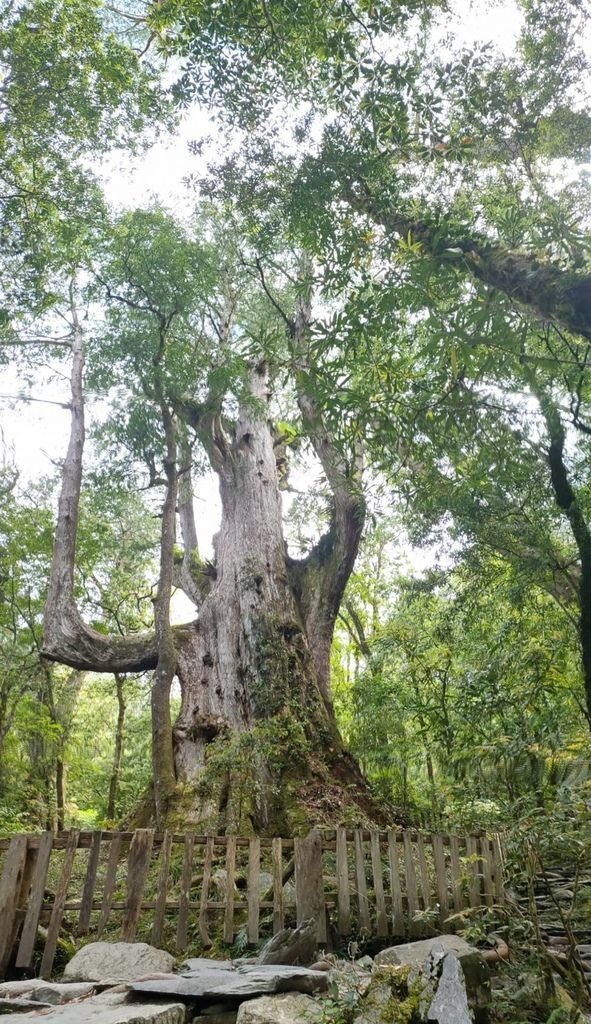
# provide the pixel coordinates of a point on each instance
(393, 998)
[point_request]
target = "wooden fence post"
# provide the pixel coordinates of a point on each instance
(10, 887)
(309, 883)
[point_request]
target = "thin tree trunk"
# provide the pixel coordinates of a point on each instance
(162, 747)
(118, 748)
(567, 501)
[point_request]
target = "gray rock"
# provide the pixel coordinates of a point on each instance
(201, 963)
(291, 946)
(414, 954)
(117, 961)
(450, 1002)
(56, 992)
(244, 982)
(98, 1013)
(17, 1003)
(292, 1008)
(12, 989)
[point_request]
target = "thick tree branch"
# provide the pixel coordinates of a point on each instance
(546, 289)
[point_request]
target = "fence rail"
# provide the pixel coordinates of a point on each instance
(180, 889)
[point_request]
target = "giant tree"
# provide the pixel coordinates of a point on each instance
(198, 338)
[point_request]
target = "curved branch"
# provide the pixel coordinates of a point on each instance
(66, 637)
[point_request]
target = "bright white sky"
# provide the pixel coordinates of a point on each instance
(37, 432)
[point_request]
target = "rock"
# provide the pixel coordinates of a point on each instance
(56, 993)
(119, 961)
(450, 1002)
(365, 963)
(291, 946)
(17, 1003)
(322, 965)
(390, 997)
(236, 984)
(292, 1008)
(201, 963)
(97, 1013)
(12, 989)
(228, 1017)
(414, 954)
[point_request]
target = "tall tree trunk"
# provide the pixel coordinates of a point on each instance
(118, 748)
(162, 753)
(567, 501)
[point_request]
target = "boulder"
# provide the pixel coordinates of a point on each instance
(243, 982)
(414, 954)
(450, 1002)
(97, 1013)
(291, 946)
(291, 1008)
(117, 961)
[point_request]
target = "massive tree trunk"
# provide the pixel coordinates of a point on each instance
(258, 656)
(255, 739)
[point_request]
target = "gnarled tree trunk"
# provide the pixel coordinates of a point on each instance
(255, 737)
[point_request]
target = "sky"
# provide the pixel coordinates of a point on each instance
(37, 431)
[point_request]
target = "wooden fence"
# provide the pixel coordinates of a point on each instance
(180, 890)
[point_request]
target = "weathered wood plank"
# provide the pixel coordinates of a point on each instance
(203, 921)
(497, 859)
(474, 876)
(10, 887)
(23, 896)
(456, 875)
(89, 884)
(160, 909)
(110, 882)
(309, 884)
(411, 883)
(343, 893)
(378, 885)
(230, 883)
(485, 859)
(253, 888)
(138, 862)
(277, 863)
(29, 932)
(182, 931)
(361, 881)
(58, 907)
(395, 890)
(424, 873)
(440, 876)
